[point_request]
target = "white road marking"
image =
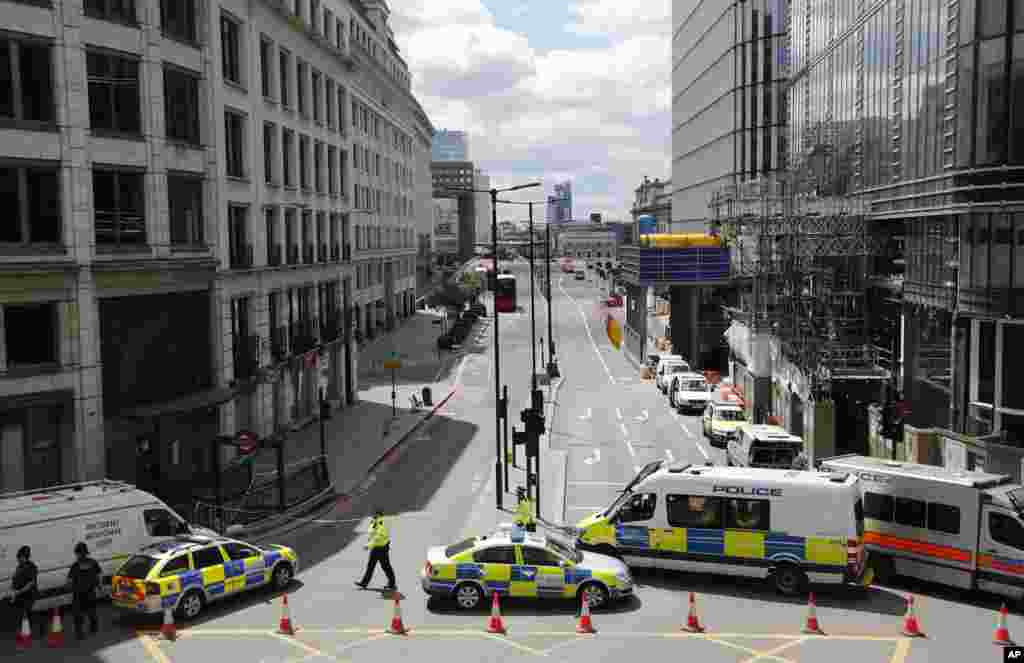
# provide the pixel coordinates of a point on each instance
(596, 458)
(623, 428)
(590, 335)
(636, 468)
(618, 413)
(632, 451)
(700, 447)
(642, 418)
(668, 454)
(588, 415)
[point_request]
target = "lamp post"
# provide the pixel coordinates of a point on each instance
(497, 356)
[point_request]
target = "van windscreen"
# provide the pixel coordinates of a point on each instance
(775, 456)
(138, 566)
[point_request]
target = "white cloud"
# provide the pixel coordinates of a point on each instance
(597, 116)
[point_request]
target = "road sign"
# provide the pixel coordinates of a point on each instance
(393, 362)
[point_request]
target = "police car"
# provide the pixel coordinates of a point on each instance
(515, 563)
(188, 572)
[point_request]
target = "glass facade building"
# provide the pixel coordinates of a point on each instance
(450, 146)
(915, 108)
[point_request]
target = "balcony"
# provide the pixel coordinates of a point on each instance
(304, 336)
(347, 257)
(307, 253)
(293, 254)
(321, 253)
(279, 343)
(240, 257)
(246, 356)
(335, 252)
(274, 255)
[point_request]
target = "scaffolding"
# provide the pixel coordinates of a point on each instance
(803, 263)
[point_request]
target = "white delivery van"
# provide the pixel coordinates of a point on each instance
(689, 392)
(114, 519)
(762, 445)
(669, 366)
(959, 528)
(790, 527)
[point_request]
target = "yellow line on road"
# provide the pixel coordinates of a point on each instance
(757, 655)
(771, 653)
(902, 651)
(152, 648)
(308, 648)
(515, 645)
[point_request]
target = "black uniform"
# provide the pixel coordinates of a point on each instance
(26, 573)
(84, 577)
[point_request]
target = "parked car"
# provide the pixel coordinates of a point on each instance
(668, 368)
(689, 392)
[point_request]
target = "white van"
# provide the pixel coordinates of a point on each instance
(790, 527)
(669, 366)
(114, 519)
(762, 445)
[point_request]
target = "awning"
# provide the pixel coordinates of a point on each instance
(195, 401)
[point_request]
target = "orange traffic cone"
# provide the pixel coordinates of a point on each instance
(692, 622)
(1002, 635)
(285, 626)
(811, 626)
(585, 625)
(24, 638)
(911, 628)
(495, 625)
(56, 637)
(397, 627)
(169, 629)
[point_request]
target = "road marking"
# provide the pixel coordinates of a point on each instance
(152, 648)
(515, 645)
(588, 415)
(622, 427)
(902, 651)
(618, 413)
(632, 451)
(616, 634)
(590, 335)
(642, 417)
(696, 442)
(596, 458)
(309, 649)
(668, 454)
(771, 653)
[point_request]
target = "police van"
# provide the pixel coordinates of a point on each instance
(959, 528)
(791, 528)
(114, 519)
(762, 445)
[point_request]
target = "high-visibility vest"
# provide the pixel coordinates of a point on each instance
(524, 512)
(379, 534)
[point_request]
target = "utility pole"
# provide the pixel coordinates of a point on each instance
(533, 310)
(552, 366)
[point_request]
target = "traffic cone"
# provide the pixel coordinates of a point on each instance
(495, 625)
(585, 625)
(56, 637)
(285, 626)
(812, 627)
(24, 638)
(911, 628)
(692, 622)
(1002, 635)
(397, 627)
(169, 629)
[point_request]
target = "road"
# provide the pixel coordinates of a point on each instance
(441, 487)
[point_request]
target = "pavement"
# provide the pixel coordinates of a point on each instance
(441, 485)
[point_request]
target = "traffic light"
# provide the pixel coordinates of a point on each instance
(503, 407)
(537, 397)
(518, 437)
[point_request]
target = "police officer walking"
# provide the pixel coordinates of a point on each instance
(23, 587)
(524, 511)
(84, 578)
(379, 546)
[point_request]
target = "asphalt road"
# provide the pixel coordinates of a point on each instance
(441, 487)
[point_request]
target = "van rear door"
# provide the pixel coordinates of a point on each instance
(775, 455)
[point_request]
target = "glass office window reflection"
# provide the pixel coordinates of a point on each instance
(992, 118)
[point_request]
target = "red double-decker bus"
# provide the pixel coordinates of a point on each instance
(505, 294)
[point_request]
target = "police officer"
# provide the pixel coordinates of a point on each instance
(23, 586)
(379, 546)
(524, 511)
(84, 578)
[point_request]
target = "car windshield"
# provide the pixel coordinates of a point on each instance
(695, 385)
(565, 549)
(138, 566)
(729, 415)
(777, 457)
(461, 546)
(619, 501)
(679, 368)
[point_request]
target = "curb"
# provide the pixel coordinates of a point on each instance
(405, 436)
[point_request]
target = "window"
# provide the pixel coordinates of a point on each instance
(113, 92)
(329, 98)
(534, 556)
(342, 167)
(31, 334)
(943, 518)
(318, 163)
(239, 249)
(118, 199)
(284, 60)
(231, 49)
(26, 81)
(207, 557)
(909, 512)
(332, 169)
(341, 109)
(639, 507)
(1006, 530)
(32, 197)
(273, 242)
(269, 151)
(287, 148)
(181, 105)
(991, 18)
(316, 80)
(747, 514)
(234, 153)
(238, 551)
(495, 555)
(266, 58)
(694, 511)
(304, 162)
(185, 208)
(122, 11)
(460, 547)
(178, 19)
(175, 566)
(300, 86)
(160, 522)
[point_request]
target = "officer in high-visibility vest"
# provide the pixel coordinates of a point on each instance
(379, 546)
(524, 511)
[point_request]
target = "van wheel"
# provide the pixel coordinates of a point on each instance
(191, 605)
(789, 579)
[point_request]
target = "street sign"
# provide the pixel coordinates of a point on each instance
(393, 362)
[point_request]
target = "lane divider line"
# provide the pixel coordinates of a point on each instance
(198, 631)
(590, 335)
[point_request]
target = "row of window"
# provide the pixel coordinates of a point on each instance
(286, 155)
(700, 511)
(365, 40)
(371, 273)
(372, 124)
(297, 85)
(295, 237)
(376, 237)
(382, 202)
(909, 512)
(371, 163)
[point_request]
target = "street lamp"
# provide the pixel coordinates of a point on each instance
(497, 357)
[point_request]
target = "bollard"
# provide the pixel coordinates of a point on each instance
(427, 397)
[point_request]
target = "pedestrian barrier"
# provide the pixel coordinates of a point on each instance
(1002, 634)
(911, 628)
(285, 626)
(495, 623)
(811, 626)
(397, 627)
(692, 621)
(56, 637)
(23, 640)
(169, 628)
(585, 624)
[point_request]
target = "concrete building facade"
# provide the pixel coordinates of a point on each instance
(654, 197)
(587, 241)
(448, 177)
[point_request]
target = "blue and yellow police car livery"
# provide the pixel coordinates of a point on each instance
(187, 572)
(791, 526)
(515, 563)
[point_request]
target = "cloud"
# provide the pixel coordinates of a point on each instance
(596, 116)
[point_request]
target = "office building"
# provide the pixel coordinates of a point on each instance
(560, 204)
(188, 248)
(654, 198)
(455, 180)
(450, 146)
(481, 181)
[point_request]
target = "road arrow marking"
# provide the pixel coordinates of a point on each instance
(632, 451)
(668, 454)
(596, 458)
(618, 413)
(588, 415)
(642, 418)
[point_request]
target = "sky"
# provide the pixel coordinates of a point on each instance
(548, 90)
